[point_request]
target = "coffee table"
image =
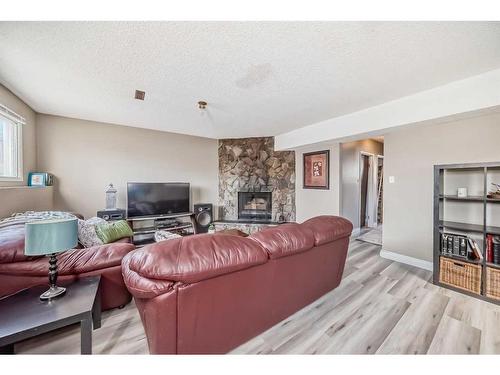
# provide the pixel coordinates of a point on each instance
(24, 315)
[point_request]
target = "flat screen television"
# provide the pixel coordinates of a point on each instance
(157, 199)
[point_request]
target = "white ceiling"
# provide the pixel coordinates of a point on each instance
(259, 78)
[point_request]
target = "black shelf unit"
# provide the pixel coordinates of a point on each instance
(483, 229)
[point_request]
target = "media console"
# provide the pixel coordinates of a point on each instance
(144, 228)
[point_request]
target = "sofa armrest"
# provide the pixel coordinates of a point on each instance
(328, 228)
(143, 287)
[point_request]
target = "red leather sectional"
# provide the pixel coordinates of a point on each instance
(18, 271)
(211, 293)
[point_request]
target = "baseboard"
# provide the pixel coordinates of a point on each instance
(424, 264)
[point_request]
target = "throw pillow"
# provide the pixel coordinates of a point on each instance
(113, 231)
(87, 235)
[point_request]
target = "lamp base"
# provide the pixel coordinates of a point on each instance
(53, 292)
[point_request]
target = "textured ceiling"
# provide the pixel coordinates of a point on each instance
(259, 78)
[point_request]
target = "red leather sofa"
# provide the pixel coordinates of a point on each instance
(210, 293)
(17, 271)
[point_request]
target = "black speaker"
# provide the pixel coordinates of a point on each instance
(203, 216)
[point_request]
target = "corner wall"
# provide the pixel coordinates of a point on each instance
(410, 155)
(86, 156)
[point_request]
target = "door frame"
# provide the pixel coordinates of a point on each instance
(376, 188)
(371, 191)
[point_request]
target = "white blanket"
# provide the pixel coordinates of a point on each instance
(25, 217)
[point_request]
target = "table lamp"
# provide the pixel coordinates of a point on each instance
(49, 237)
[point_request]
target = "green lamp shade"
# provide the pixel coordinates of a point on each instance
(50, 236)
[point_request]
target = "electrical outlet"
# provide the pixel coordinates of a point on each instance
(392, 179)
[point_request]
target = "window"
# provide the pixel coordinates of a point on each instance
(10, 145)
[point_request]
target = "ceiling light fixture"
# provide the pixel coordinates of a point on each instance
(139, 95)
(202, 104)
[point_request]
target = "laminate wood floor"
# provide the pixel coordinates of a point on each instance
(381, 307)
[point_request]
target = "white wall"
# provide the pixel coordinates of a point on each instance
(349, 175)
(410, 155)
(86, 156)
(314, 202)
(454, 99)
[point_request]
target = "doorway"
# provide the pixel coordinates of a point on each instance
(366, 218)
(361, 195)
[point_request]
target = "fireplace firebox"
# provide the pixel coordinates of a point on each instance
(255, 205)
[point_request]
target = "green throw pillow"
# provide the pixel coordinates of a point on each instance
(113, 231)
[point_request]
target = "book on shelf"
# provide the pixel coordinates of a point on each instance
(446, 244)
(462, 247)
(476, 252)
(496, 250)
(450, 244)
(454, 244)
(489, 248)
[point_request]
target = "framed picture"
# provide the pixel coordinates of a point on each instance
(39, 179)
(317, 170)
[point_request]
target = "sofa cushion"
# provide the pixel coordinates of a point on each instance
(72, 262)
(195, 258)
(285, 239)
(12, 244)
(328, 228)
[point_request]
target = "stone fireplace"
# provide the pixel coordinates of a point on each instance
(255, 205)
(250, 165)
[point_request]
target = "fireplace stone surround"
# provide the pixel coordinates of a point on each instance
(251, 164)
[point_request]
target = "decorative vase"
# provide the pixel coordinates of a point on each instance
(111, 197)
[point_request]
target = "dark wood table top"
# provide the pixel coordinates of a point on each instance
(24, 311)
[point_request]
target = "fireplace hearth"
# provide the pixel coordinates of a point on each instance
(255, 205)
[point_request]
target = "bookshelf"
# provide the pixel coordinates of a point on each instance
(475, 216)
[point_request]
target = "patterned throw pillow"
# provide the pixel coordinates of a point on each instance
(87, 234)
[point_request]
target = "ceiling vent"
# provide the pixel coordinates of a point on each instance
(139, 95)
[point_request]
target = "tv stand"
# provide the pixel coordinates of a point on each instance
(144, 227)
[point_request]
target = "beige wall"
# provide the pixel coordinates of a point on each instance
(313, 202)
(12, 102)
(349, 171)
(23, 198)
(86, 156)
(410, 155)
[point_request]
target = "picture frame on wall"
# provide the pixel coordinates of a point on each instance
(317, 170)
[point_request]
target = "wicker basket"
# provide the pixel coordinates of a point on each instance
(493, 282)
(462, 275)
